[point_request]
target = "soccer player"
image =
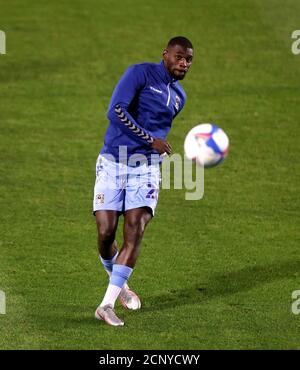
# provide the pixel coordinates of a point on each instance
(143, 105)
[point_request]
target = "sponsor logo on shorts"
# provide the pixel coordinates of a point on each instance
(100, 198)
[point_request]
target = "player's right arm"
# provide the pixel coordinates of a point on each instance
(162, 146)
(128, 87)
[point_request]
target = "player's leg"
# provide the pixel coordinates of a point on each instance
(135, 221)
(107, 205)
(140, 201)
(107, 223)
(134, 226)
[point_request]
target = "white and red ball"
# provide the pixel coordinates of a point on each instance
(206, 144)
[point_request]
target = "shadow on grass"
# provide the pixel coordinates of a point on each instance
(215, 286)
(224, 284)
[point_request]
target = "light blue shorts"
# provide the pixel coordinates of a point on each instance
(120, 187)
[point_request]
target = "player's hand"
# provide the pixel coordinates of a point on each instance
(162, 146)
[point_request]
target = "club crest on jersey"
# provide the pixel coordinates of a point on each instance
(177, 102)
(100, 198)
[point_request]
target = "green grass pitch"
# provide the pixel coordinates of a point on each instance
(213, 274)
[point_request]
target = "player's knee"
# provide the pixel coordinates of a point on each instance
(135, 227)
(106, 234)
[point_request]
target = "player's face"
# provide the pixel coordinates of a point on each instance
(178, 60)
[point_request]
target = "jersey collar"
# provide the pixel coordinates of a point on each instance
(165, 75)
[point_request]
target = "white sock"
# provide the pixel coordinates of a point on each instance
(111, 295)
(125, 285)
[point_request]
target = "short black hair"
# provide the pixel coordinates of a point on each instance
(182, 41)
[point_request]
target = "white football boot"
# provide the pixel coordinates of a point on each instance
(107, 314)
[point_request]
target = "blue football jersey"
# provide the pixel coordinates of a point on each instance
(142, 107)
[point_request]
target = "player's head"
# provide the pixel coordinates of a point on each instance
(178, 56)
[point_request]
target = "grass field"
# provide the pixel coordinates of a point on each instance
(213, 274)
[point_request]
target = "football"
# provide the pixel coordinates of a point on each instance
(206, 144)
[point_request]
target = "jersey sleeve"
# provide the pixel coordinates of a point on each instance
(129, 85)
